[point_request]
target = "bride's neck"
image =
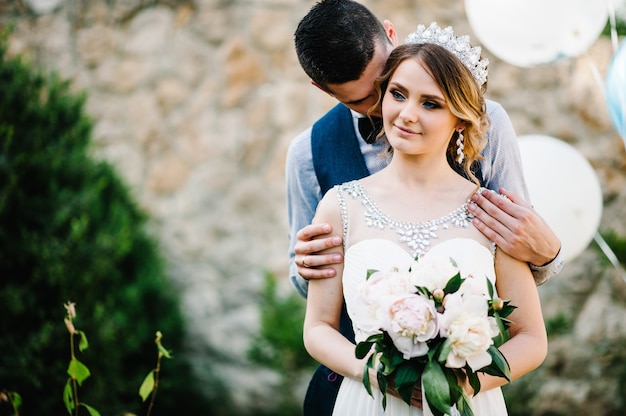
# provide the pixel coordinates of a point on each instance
(423, 174)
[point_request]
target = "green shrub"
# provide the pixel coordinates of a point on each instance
(279, 345)
(69, 230)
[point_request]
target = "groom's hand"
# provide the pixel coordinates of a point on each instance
(514, 226)
(311, 240)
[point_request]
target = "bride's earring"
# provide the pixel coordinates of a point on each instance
(460, 147)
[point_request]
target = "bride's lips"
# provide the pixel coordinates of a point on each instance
(403, 131)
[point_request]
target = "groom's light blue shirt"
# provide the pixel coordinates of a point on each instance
(501, 168)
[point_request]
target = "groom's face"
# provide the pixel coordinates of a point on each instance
(359, 95)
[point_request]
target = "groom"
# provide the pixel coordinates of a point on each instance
(343, 47)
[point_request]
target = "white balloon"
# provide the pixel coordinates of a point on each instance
(529, 33)
(564, 189)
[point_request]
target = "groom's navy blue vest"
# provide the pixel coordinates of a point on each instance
(337, 157)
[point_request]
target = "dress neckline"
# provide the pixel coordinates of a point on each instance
(416, 235)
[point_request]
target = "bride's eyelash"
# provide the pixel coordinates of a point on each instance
(431, 104)
(396, 94)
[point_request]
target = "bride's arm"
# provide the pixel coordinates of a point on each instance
(322, 338)
(528, 345)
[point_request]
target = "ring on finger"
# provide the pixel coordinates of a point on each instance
(304, 262)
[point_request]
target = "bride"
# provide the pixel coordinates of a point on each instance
(433, 109)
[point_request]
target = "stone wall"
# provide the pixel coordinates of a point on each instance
(195, 102)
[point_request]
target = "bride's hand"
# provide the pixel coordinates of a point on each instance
(463, 381)
(416, 397)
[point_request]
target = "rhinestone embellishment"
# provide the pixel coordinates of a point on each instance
(415, 235)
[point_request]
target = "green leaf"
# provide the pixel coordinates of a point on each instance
(499, 365)
(503, 335)
(78, 371)
(436, 388)
(473, 380)
(382, 382)
(82, 344)
(388, 364)
(16, 400)
(147, 386)
(406, 392)
(490, 288)
(163, 352)
(370, 272)
(68, 396)
(455, 390)
(464, 406)
(424, 291)
(407, 374)
(453, 284)
(91, 410)
(507, 309)
(406, 377)
(362, 349)
(444, 350)
(382, 385)
(366, 374)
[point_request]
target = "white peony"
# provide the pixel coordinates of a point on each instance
(432, 272)
(469, 329)
(382, 284)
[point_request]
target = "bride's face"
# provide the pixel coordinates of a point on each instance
(416, 118)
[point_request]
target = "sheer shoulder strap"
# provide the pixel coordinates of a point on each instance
(343, 208)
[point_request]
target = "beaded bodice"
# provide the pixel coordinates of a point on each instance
(416, 236)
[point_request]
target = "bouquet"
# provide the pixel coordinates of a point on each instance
(430, 324)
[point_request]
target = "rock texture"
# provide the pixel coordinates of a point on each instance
(195, 102)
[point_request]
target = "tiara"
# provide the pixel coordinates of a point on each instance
(458, 45)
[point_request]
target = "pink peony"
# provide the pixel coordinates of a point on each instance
(411, 321)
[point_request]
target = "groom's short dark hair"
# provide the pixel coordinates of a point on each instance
(336, 40)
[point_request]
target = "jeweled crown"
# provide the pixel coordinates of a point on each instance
(458, 45)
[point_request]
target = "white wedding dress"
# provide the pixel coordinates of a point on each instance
(377, 249)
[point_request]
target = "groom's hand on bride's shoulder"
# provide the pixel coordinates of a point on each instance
(516, 228)
(312, 241)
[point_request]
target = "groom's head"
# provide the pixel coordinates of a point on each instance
(343, 47)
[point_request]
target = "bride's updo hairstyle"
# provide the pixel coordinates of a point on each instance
(462, 93)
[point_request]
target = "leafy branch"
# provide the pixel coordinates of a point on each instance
(13, 398)
(151, 382)
(77, 371)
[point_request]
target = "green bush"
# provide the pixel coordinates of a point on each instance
(70, 231)
(279, 345)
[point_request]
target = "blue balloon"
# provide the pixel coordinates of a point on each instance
(615, 90)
